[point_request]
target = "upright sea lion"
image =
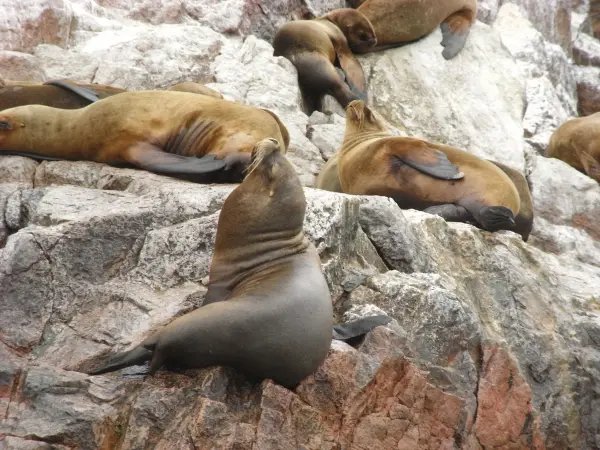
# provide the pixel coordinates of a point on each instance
(174, 133)
(577, 142)
(268, 311)
(329, 180)
(67, 94)
(398, 22)
(422, 175)
(314, 46)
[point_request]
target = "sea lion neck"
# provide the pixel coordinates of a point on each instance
(261, 222)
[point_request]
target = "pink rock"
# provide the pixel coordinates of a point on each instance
(26, 24)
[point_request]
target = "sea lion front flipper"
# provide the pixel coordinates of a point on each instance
(353, 71)
(427, 160)
(494, 218)
(152, 158)
(83, 92)
(349, 330)
(455, 30)
(134, 357)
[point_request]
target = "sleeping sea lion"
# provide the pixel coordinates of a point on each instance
(422, 175)
(67, 94)
(181, 134)
(399, 22)
(268, 310)
(329, 180)
(314, 46)
(577, 142)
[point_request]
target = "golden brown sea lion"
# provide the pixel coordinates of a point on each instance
(329, 180)
(174, 133)
(67, 94)
(577, 142)
(314, 46)
(422, 175)
(268, 311)
(398, 22)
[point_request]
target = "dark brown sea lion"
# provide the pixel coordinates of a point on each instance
(577, 142)
(268, 311)
(67, 94)
(181, 134)
(315, 46)
(329, 180)
(398, 22)
(422, 175)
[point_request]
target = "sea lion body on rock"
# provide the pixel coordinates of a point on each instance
(328, 179)
(268, 311)
(577, 142)
(173, 133)
(398, 22)
(421, 175)
(315, 46)
(67, 94)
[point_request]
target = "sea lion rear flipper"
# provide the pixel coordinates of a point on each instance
(355, 76)
(455, 30)
(83, 92)
(152, 158)
(349, 330)
(134, 357)
(427, 160)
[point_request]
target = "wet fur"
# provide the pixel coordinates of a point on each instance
(270, 311)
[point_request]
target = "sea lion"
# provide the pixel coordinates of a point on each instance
(399, 22)
(268, 311)
(68, 94)
(577, 142)
(314, 46)
(422, 175)
(329, 180)
(181, 134)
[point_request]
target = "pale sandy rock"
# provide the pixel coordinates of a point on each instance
(535, 56)
(423, 95)
(567, 206)
(28, 23)
(17, 66)
(586, 50)
(487, 10)
(137, 57)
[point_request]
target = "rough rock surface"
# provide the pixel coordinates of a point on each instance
(495, 343)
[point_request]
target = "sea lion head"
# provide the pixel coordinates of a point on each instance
(360, 119)
(358, 30)
(263, 216)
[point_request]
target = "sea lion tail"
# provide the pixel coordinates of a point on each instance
(136, 356)
(494, 218)
(349, 330)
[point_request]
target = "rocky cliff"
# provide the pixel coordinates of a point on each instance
(495, 343)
